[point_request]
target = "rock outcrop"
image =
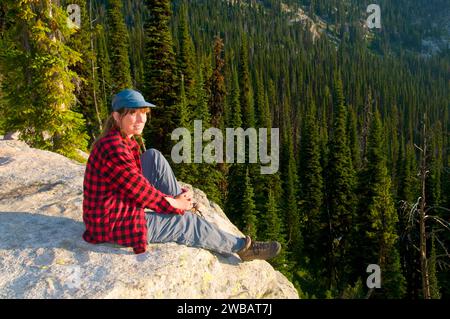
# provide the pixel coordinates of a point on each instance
(42, 254)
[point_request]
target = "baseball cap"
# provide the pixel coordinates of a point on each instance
(129, 98)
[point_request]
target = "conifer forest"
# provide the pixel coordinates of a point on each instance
(360, 95)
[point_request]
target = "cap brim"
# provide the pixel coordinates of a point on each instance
(147, 104)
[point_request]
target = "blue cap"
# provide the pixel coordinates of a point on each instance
(130, 99)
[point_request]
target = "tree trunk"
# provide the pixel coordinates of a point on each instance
(423, 234)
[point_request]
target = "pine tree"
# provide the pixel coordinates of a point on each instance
(118, 43)
(37, 84)
(104, 67)
(434, 183)
(260, 105)
(434, 283)
(236, 114)
(353, 139)
(311, 190)
(407, 195)
(207, 176)
(236, 171)
(161, 80)
(185, 172)
(249, 213)
(377, 217)
(340, 181)
(186, 56)
(290, 199)
(271, 224)
(217, 85)
(89, 102)
(246, 95)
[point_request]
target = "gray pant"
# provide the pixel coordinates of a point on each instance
(188, 229)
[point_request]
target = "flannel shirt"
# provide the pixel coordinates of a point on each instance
(115, 194)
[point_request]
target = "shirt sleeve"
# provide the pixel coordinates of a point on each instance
(126, 178)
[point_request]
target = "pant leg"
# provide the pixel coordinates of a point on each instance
(191, 230)
(157, 170)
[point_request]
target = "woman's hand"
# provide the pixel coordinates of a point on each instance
(185, 193)
(180, 202)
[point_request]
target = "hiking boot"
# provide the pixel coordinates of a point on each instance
(259, 249)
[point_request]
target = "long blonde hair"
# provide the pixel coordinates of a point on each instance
(111, 123)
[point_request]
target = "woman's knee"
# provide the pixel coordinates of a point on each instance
(152, 153)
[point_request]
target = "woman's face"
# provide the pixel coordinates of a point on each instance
(133, 122)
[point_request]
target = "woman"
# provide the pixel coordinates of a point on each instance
(120, 182)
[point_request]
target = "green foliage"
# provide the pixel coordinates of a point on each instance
(340, 184)
(160, 75)
(87, 90)
(118, 43)
(37, 83)
(249, 213)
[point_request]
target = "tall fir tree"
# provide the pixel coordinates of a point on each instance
(87, 90)
(186, 55)
(352, 130)
(407, 195)
(185, 171)
(37, 84)
(249, 213)
(340, 186)
(206, 177)
(377, 217)
(118, 45)
(290, 199)
(311, 192)
(271, 224)
(104, 66)
(160, 75)
(246, 95)
(217, 85)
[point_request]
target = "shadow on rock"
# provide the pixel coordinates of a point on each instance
(22, 230)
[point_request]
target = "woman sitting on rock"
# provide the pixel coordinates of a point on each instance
(117, 188)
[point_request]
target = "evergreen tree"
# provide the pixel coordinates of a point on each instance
(434, 284)
(340, 180)
(262, 116)
(207, 177)
(161, 81)
(236, 172)
(353, 139)
(311, 191)
(290, 200)
(217, 85)
(377, 216)
(271, 224)
(246, 95)
(104, 67)
(87, 90)
(118, 43)
(434, 183)
(185, 172)
(407, 195)
(37, 84)
(186, 56)
(236, 114)
(249, 213)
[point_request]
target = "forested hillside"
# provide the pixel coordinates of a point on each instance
(363, 116)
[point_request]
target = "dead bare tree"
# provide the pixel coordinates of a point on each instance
(419, 212)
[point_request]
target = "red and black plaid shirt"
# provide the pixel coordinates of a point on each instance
(115, 194)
